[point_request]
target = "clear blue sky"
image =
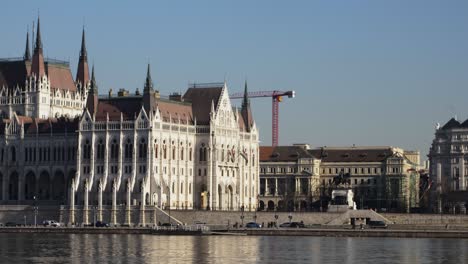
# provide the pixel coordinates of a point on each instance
(365, 72)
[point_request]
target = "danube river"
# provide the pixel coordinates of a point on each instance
(87, 248)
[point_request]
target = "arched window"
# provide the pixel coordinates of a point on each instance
(114, 150)
(204, 154)
(142, 149)
(201, 154)
(86, 150)
(156, 150)
(222, 153)
(165, 152)
(190, 154)
(182, 187)
(13, 153)
(182, 153)
(100, 150)
(173, 153)
(128, 149)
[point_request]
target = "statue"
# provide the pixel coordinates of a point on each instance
(342, 178)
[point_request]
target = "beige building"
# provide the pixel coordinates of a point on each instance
(380, 177)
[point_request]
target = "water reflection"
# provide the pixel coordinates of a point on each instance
(87, 248)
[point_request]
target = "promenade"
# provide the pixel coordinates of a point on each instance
(340, 231)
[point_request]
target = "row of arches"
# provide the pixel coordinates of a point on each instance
(281, 205)
(35, 186)
(142, 150)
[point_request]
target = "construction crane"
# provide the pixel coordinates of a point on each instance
(277, 97)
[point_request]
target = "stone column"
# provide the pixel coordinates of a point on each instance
(266, 187)
(155, 222)
(462, 173)
(142, 205)
(462, 208)
(100, 201)
(21, 182)
(298, 186)
(85, 206)
(114, 205)
(276, 187)
(71, 218)
(128, 208)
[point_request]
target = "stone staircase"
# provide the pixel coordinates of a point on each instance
(345, 218)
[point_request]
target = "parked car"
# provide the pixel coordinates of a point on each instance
(293, 225)
(101, 224)
(168, 224)
(377, 224)
(252, 225)
(10, 224)
(51, 223)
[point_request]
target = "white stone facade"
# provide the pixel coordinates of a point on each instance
(37, 99)
(168, 164)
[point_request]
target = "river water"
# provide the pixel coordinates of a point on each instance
(96, 248)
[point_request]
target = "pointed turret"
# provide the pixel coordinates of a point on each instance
(245, 110)
(38, 36)
(149, 82)
(37, 66)
(92, 100)
(245, 101)
(149, 95)
(82, 74)
(27, 52)
(93, 88)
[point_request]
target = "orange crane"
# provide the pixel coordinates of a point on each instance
(277, 97)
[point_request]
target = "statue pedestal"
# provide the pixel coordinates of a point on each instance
(342, 200)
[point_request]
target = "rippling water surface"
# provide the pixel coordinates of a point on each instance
(87, 248)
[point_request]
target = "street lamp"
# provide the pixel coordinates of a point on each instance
(35, 208)
(169, 202)
(94, 215)
(276, 217)
(242, 216)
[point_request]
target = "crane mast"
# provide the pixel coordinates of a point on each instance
(277, 97)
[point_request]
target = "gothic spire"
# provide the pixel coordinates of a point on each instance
(82, 74)
(245, 101)
(27, 53)
(38, 36)
(83, 52)
(92, 100)
(37, 65)
(245, 110)
(93, 89)
(149, 81)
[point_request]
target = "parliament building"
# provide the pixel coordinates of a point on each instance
(62, 143)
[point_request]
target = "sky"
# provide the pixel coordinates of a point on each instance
(368, 73)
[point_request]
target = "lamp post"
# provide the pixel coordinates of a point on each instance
(276, 216)
(35, 208)
(94, 215)
(242, 216)
(169, 203)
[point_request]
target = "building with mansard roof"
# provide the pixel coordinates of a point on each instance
(62, 143)
(301, 178)
(448, 167)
